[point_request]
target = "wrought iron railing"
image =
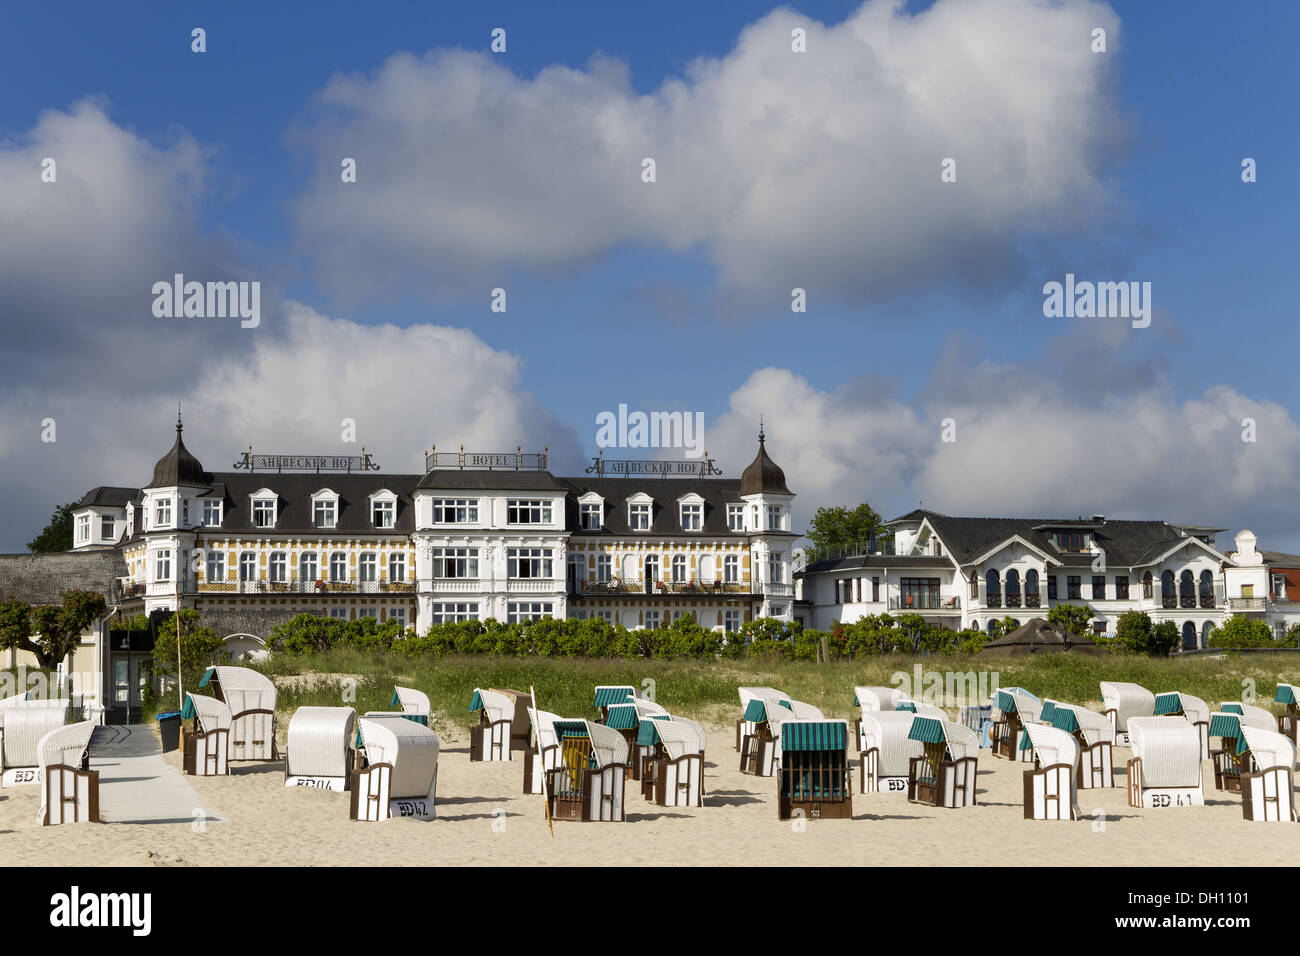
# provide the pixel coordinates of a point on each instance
(324, 586)
(918, 602)
(700, 588)
(517, 460)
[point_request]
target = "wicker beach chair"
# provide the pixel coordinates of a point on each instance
(1195, 710)
(674, 774)
(1017, 708)
(320, 748)
(1051, 788)
(1267, 788)
(503, 724)
(1166, 767)
(414, 704)
(206, 747)
(26, 722)
(546, 743)
(760, 748)
(944, 775)
(1289, 723)
(745, 728)
(69, 788)
(1120, 701)
(1096, 738)
(814, 778)
(251, 697)
(888, 750)
(591, 778)
(871, 699)
(400, 773)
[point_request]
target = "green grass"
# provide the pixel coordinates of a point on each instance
(707, 691)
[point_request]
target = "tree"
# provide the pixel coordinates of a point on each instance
(1134, 632)
(200, 648)
(914, 629)
(57, 535)
(1075, 619)
(837, 528)
(49, 632)
(1241, 631)
(1164, 638)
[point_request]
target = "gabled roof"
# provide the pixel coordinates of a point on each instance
(42, 578)
(881, 561)
(108, 496)
(916, 514)
(294, 501)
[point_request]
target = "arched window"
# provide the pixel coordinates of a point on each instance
(651, 571)
(338, 566)
(993, 587)
(1186, 590)
(1189, 636)
(1168, 596)
(991, 626)
(1013, 588)
(368, 567)
(1031, 588)
(1206, 628)
(974, 585)
(1207, 589)
(397, 567)
(1148, 586)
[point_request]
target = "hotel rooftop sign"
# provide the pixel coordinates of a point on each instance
(314, 463)
(462, 460)
(661, 468)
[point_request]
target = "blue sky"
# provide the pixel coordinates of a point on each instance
(1192, 88)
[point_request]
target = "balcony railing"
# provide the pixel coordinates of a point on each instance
(918, 602)
(697, 588)
(517, 585)
(1247, 604)
(1168, 601)
(1033, 600)
(1013, 600)
(993, 600)
(344, 586)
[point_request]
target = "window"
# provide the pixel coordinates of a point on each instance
(455, 510)
(736, 517)
(453, 613)
(604, 567)
(397, 566)
(1073, 587)
(606, 616)
(340, 613)
(185, 512)
(679, 569)
(383, 513)
(325, 513)
(731, 621)
(247, 566)
(875, 589)
(1070, 541)
(692, 517)
(162, 567)
(368, 567)
(522, 511)
(518, 613)
(528, 563)
(264, 513)
(773, 517)
(653, 620)
(1148, 586)
(775, 569)
(1099, 627)
(753, 513)
(106, 527)
(216, 566)
(1099, 587)
(308, 568)
(338, 566)
(1051, 587)
(367, 612)
(1121, 587)
(731, 569)
(279, 569)
(83, 528)
(589, 517)
(638, 517)
(212, 514)
(776, 610)
(917, 593)
(455, 562)
(162, 515)
(397, 614)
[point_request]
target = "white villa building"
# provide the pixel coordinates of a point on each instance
(972, 572)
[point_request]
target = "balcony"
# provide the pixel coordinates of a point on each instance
(922, 602)
(993, 600)
(665, 588)
(1247, 604)
(344, 586)
(533, 585)
(1033, 600)
(454, 585)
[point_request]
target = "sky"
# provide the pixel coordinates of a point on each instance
(923, 369)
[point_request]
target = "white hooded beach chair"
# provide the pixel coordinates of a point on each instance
(547, 744)
(26, 722)
(206, 748)
(502, 726)
(944, 775)
(760, 747)
(888, 750)
(69, 788)
(400, 776)
(1267, 788)
(1195, 710)
(814, 779)
(1120, 701)
(1166, 767)
(1096, 738)
(1051, 790)
(872, 699)
(251, 696)
(1017, 707)
(745, 728)
(675, 771)
(414, 704)
(320, 748)
(1289, 723)
(608, 694)
(591, 778)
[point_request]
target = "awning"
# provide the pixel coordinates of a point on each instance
(571, 728)
(755, 711)
(1064, 719)
(1232, 708)
(188, 712)
(613, 695)
(622, 717)
(1169, 704)
(1225, 725)
(1285, 694)
(928, 730)
(906, 705)
(1049, 707)
(1006, 702)
(820, 735)
(475, 702)
(207, 676)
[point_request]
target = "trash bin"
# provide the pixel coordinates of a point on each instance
(169, 729)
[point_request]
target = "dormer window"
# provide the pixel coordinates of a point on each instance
(591, 512)
(1071, 541)
(264, 508)
(639, 512)
(383, 509)
(735, 517)
(212, 514)
(162, 513)
(106, 527)
(692, 517)
(325, 509)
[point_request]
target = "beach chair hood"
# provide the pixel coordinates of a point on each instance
(65, 745)
(212, 714)
(1127, 700)
(678, 737)
(411, 749)
(242, 688)
(411, 701)
(887, 731)
(1269, 748)
(876, 698)
(320, 739)
(1170, 749)
(1053, 745)
(26, 722)
(607, 746)
(1094, 727)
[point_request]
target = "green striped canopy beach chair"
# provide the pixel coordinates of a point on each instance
(944, 776)
(814, 776)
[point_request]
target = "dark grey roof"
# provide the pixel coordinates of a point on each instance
(178, 467)
(1280, 559)
(1126, 543)
(454, 479)
(664, 515)
(294, 508)
(882, 561)
(916, 514)
(763, 474)
(42, 578)
(108, 496)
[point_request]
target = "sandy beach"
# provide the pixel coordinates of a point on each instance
(484, 819)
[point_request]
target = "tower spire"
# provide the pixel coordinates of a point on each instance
(761, 436)
(179, 426)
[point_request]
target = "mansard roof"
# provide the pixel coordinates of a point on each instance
(665, 492)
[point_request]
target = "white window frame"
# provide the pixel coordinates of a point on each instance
(368, 566)
(452, 612)
(461, 562)
(461, 510)
(731, 569)
(695, 513)
(277, 568)
(735, 517)
(520, 511)
(383, 503)
(209, 509)
(539, 561)
(325, 505)
(162, 513)
(83, 529)
(338, 559)
(519, 612)
(260, 502)
(215, 566)
(304, 560)
(604, 568)
(397, 566)
(162, 565)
